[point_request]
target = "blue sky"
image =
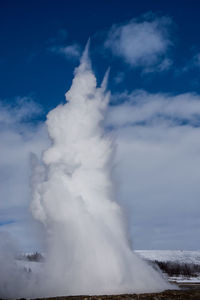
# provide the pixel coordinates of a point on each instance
(153, 50)
(29, 29)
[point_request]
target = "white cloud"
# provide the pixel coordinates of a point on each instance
(155, 108)
(58, 45)
(141, 43)
(70, 52)
(157, 167)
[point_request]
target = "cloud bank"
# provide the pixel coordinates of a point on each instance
(157, 166)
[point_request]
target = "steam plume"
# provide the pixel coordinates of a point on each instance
(73, 196)
(88, 249)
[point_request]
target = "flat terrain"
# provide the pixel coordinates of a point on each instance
(167, 295)
(187, 292)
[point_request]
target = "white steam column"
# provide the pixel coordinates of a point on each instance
(88, 250)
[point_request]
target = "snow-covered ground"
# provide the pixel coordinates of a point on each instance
(182, 279)
(189, 257)
(178, 256)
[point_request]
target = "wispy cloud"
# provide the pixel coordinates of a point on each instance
(60, 46)
(23, 109)
(142, 43)
(119, 77)
(69, 52)
(164, 65)
(196, 60)
(192, 63)
(140, 106)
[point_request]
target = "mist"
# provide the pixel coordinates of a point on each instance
(88, 249)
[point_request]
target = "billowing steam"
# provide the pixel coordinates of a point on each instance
(87, 246)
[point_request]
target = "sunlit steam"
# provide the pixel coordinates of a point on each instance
(88, 249)
(73, 196)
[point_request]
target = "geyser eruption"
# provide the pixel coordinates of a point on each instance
(88, 249)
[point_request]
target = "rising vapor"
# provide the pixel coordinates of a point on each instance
(88, 250)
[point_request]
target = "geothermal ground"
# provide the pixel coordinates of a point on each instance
(187, 293)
